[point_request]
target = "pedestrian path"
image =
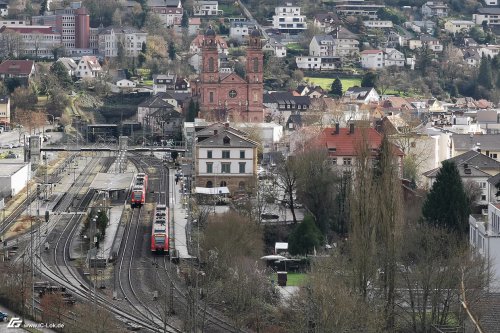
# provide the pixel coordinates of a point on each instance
(178, 216)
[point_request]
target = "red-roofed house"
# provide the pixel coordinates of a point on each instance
(343, 144)
(17, 68)
(37, 41)
(88, 67)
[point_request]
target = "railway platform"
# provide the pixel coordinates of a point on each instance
(178, 214)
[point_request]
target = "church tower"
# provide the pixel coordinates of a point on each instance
(209, 73)
(255, 77)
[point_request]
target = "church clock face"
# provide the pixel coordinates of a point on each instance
(233, 93)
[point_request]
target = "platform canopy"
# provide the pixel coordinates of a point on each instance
(212, 190)
(112, 181)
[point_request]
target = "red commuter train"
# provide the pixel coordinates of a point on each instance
(138, 197)
(159, 232)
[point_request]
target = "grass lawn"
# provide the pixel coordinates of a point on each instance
(326, 83)
(294, 279)
(294, 46)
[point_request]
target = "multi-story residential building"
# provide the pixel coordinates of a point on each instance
(372, 59)
(484, 238)
(225, 157)
(342, 145)
(434, 9)
(393, 57)
(196, 58)
(72, 23)
(4, 109)
(126, 40)
(322, 46)
(432, 43)
(318, 63)
(169, 11)
(35, 41)
(206, 8)
(490, 15)
(288, 19)
(346, 44)
(327, 22)
(88, 68)
(278, 49)
(358, 8)
(456, 26)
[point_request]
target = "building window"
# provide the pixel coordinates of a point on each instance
(210, 167)
(226, 140)
(493, 155)
(333, 160)
(211, 98)
(226, 154)
(209, 154)
(223, 183)
(211, 64)
(255, 65)
(242, 167)
(242, 154)
(347, 161)
(209, 184)
(225, 167)
(233, 93)
(483, 197)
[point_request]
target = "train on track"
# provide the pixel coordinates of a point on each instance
(159, 232)
(138, 197)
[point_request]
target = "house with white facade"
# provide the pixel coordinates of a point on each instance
(164, 82)
(432, 43)
(241, 30)
(288, 19)
(377, 59)
(456, 26)
(361, 95)
(88, 68)
(490, 15)
(278, 49)
(318, 63)
(326, 22)
(225, 157)
(484, 238)
(435, 9)
(206, 8)
(473, 166)
(129, 40)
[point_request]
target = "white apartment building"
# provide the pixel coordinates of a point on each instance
(372, 59)
(490, 15)
(288, 19)
(206, 8)
(112, 39)
(484, 238)
(318, 63)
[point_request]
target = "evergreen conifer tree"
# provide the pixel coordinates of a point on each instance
(446, 205)
(336, 89)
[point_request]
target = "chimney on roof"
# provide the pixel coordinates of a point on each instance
(466, 165)
(351, 128)
(337, 128)
(215, 132)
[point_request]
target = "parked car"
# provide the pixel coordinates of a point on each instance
(7, 146)
(12, 155)
(3, 316)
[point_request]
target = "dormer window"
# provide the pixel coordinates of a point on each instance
(226, 140)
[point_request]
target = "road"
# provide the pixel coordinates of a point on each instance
(250, 17)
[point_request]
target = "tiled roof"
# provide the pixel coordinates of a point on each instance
(29, 29)
(198, 41)
(489, 142)
(347, 144)
(235, 140)
(476, 159)
(489, 10)
(210, 130)
(92, 62)
(371, 52)
(17, 67)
